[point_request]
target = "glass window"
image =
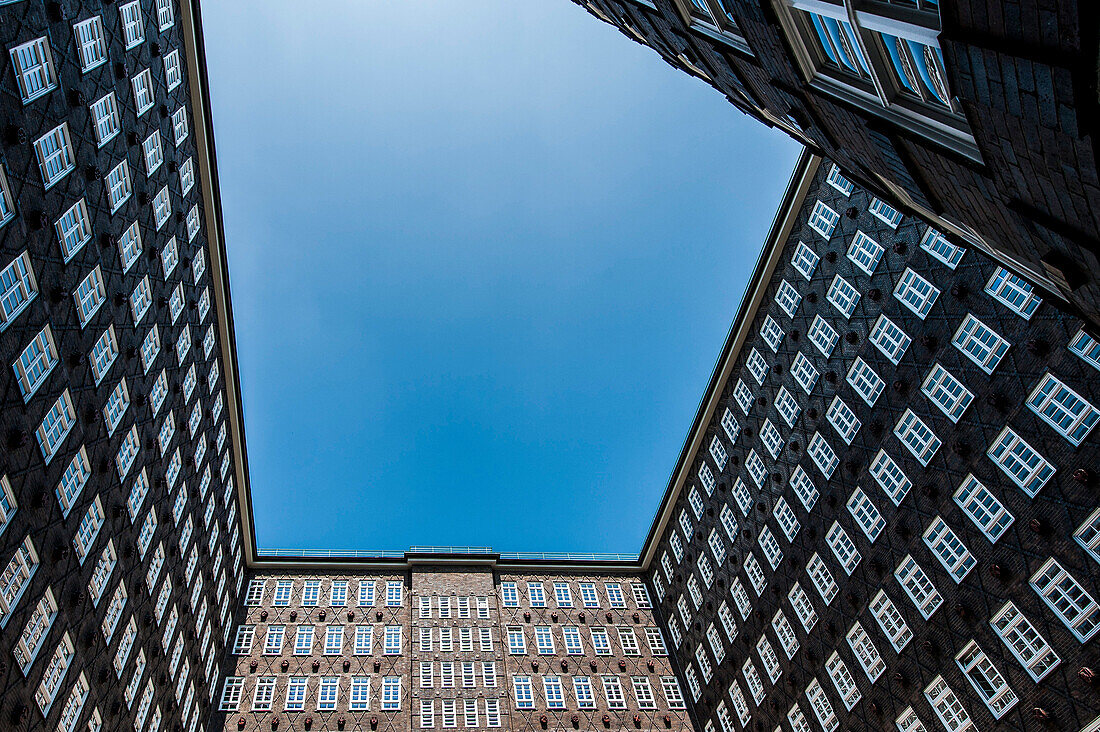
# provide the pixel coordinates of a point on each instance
(865, 252)
(917, 437)
(986, 679)
(823, 220)
(823, 336)
(916, 293)
(34, 70)
(1065, 596)
(980, 343)
(1027, 468)
(805, 260)
(1024, 641)
(983, 508)
(1013, 292)
(946, 392)
(949, 549)
(843, 296)
(885, 212)
(918, 587)
(891, 340)
(939, 247)
(1063, 409)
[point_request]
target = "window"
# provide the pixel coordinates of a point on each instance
(771, 332)
(74, 229)
(1013, 292)
(524, 697)
(918, 587)
(843, 296)
(948, 707)
(56, 426)
(980, 344)
(823, 709)
(303, 638)
(140, 299)
(544, 642)
(884, 211)
(986, 679)
(770, 547)
(787, 407)
(890, 477)
(55, 155)
(1063, 409)
(838, 181)
(187, 175)
(1024, 641)
(600, 642)
(116, 406)
(516, 642)
(54, 674)
(843, 547)
(865, 252)
(805, 260)
(741, 495)
(823, 220)
(730, 426)
(133, 27)
(890, 339)
(173, 71)
(162, 208)
(843, 420)
(949, 549)
(1088, 535)
(785, 517)
(843, 680)
(983, 508)
(35, 363)
(562, 596)
(242, 644)
(1027, 468)
(33, 67)
(823, 336)
(392, 640)
(296, 693)
(757, 366)
(946, 392)
(718, 452)
(937, 245)
(917, 437)
(231, 689)
(328, 692)
(91, 45)
(743, 396)
(891, 621)
(613, 691)
(118, 185)
(391, 692)
(804, 488)
(35, 631)
(179, 125)
(804, 373)
(768, 658)
(1065, 596)
(800, 601)
(916, 293)
(395, 593)
(143, 91)
(756, 468)
(334, 640)
(865, 381)
(823, 455)
(822, 578)
(1087, 347)
(865, 513)
(788, 298)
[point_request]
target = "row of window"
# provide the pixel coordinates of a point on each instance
(563, 594)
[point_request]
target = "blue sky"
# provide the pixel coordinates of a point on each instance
(483, 256)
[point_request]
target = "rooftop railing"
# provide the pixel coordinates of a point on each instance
(457, 550)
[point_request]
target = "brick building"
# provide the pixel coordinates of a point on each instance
(978, 115)
(884, 515)
(443, 640)
(120, 537)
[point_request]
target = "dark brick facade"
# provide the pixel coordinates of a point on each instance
(1024, 74)
(188, 520)
(1042, 527)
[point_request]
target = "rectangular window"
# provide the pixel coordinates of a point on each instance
(983, 508)
(772, 333)
(173, 70)
(328, 692)
(395, 594)
(843, 547)
(785, 517)
(757, 366)
(916, 293)
(823, 220)
(1065, 596)
(843, 680)
(1087, 348)
(730, 426)
(949, 549)
(296, 693)
(1024, 641)
(980, 343)
(804, 488)
(823, 708)
(986, 679)
(837, 180)
(822, 578)
(939, 247)
(805, 260)
(1013, 292)
(1027, 468)
(392, 640)
(891, 340)
(55, 155)
(947, 707)
(162, 208)
(56, 426)
(803, 608)
(718, 452)
(787, 407)
(885, 212)
(917, 437)
(562, 595)
(823, 336)
(525, 698)
(891, 621)
(918, 587)
(74, 229)
(91, 44)
(823, 455)
(34, 70)
(788, 298)
(35, 363)
(1063, 409)
(118, 185)
(804, 373)
(894, 483)
(865, 252)
(391, 693)
(843, 420)
(865, 513)
(89, 296)
(946, 392)
(743, 396)
(133, 25)
(144, 96)
(843, 296)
